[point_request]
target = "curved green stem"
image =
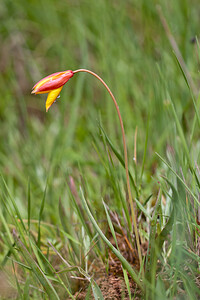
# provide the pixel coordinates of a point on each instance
(125, 158)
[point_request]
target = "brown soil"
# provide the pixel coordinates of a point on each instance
(112, 283)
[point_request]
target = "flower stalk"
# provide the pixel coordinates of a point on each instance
(53, 85)
(125, 159)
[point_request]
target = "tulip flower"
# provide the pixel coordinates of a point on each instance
(52, 85)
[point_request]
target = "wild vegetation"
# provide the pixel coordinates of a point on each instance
(66, 223)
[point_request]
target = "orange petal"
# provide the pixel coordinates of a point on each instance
(51, 82)
(52, 97)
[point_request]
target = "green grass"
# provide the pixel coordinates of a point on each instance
(63, 197)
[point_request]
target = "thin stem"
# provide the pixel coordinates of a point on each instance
(125, 158)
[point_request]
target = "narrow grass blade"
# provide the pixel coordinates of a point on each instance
(160, 292)
(51, 269)
(147, 200)
(181, 180)
(68, 229)
(40, 215)
(36, 269)
(180, 130)
(8, 240)
(26, 289)
(197, 106)
(17, 283)
(29, 205)
(197, 116)
(20, 264)
(88, 295)
(110, 225)
(5, 224)
(151, 258)
(119, 157)
(141, 207)
(120, 199)
(96, 291)
(145, 147)
(80, 214)
(127, 283)
(164, 233)
(13, 203)
(189, 86)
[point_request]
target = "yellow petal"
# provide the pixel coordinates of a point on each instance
(33, 92)
(52, 97)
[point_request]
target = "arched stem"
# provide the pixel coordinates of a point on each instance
(125, 158)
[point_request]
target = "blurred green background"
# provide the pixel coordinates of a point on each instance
(133, 45)
(126, 44)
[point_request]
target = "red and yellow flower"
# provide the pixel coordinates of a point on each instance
(52, 85)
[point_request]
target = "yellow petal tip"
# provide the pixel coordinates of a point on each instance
(47, 108)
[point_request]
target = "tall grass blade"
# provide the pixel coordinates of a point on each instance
(40, 216)
(197, 116)
(145, 147)
(14, 204)
(80, 214)
(68, 228)
(17, 283)
(182, 137)
(26, 289)
(36, 269)
(119, 157)
(110, 224)
(96, 291)
(181, 180)
(127, 283)
(29, 205)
